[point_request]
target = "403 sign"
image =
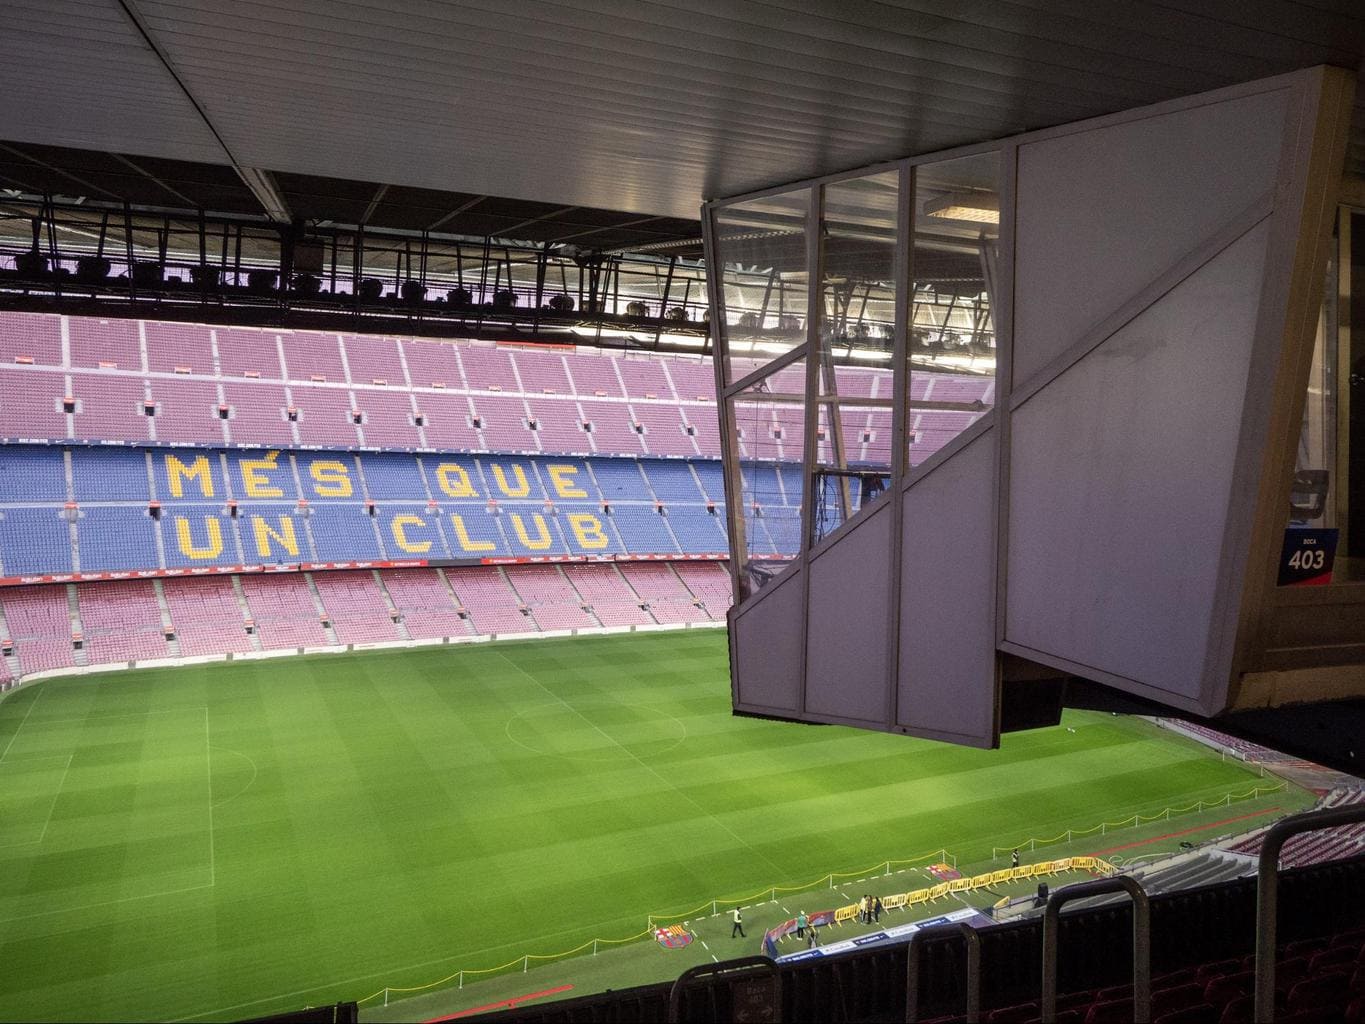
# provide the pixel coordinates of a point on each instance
(1306, 558)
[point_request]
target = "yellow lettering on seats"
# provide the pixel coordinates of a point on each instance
(331, 479)
(564, 479)
(542, 540)
(462, 536)
(588, 529)
(522, 487)
(185, 539)
(256, 483)
(454, 481)
(399, 525)
(285, 536)
(197, 470)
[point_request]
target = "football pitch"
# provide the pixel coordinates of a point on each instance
(222, 841)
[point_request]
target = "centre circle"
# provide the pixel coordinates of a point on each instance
(596, 730)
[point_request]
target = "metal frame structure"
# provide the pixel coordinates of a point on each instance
(90, 256)
(1259, 636)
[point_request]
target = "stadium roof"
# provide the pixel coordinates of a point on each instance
(597, 122)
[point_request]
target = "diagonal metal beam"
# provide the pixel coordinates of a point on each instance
(455, 212)
(259, 181)
(154, 179)
(379, 195)
(88, 185)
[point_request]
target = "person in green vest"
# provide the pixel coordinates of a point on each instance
(801, 925)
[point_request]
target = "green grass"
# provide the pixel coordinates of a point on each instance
(231, 840)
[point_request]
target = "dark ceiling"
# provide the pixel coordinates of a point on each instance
(568, 109)
(162, 183)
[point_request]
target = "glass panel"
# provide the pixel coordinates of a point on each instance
(952, 330)
(1327, 497)
(857, 327)
(761, 245)
(770, 419)
(857, 269)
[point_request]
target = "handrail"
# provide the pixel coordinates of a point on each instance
(1142, 941)
(1268, 890)
(917, 940)
(743, 963)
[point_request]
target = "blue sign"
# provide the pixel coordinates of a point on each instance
(1306, 558)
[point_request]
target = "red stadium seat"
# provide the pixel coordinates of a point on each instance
(1110, 1011)
(1200, 1013)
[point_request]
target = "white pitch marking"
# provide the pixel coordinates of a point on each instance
(57, 796)
(208, 766)
(24, 722)
(104, 903)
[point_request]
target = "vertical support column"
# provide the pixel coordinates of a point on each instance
(903, 270)
(729, 449)
(814, 298)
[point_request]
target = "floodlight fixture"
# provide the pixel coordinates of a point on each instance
(980, 207)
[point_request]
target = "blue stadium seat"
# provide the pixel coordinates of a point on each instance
(562, 478)
(761, 485)
(642, 530)
(712, 478)
(620, 479)
(329, 476)
(272, 533)
(393, 477)
(188, 475)
(194, 488)
(343, 533)
(116, 537)
(109, 474)
(791, 484)
(673, 482)
(530, 530)
(199, 534)
(506, 478)
(588, 530)
(481, 538)
(411, 531)
(32, 474)
(264, 475)
(34, 540)
(698, 531)
(784, 527)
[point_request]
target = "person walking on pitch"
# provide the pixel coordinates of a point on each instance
(738, 928)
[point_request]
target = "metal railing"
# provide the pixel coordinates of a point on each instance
(1142, 941)
(1268, 890)
(917, 941)
(755, 1008)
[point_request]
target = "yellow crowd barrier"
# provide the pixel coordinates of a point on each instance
(1104, 827)
(983, 881)
(771, 893)
(524, 961)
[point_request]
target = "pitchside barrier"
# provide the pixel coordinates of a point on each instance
(770, 894)
(1106, 827)
(918, 897)
(933, 893)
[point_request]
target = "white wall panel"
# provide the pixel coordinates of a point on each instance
(1120, 476)
(1102, 213)
(767, 644)
(947, 626)
(849, 631)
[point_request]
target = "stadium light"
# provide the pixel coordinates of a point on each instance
(980, 207)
